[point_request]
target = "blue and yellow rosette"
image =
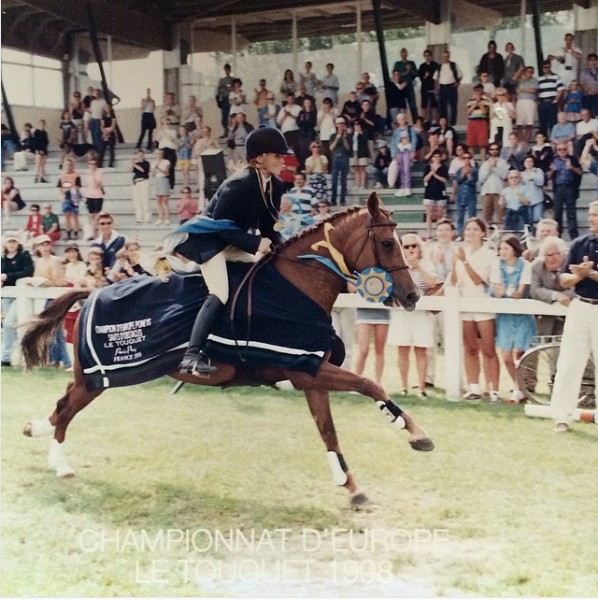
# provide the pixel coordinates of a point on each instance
(374, 284)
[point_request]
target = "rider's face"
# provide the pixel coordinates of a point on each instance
(272, 163)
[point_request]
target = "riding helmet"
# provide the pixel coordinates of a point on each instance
(264, 140)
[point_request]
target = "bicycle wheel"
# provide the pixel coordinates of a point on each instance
(536, 370)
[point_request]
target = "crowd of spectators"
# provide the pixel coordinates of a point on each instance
(497, 171)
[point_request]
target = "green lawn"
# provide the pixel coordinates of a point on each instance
(502, 507)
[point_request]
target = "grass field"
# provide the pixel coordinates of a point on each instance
(228, 493)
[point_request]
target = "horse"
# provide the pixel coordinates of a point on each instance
(357, 238)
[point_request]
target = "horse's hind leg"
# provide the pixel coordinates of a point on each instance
(39, 427)
(75, 399)
(319, 406)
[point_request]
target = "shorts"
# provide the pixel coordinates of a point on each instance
(94, 205)
(411, 329)
(184, 163)
(431, 202)
(372, 316)
(477, 132)
(359, 162)
(69, 207)
(477, 317)
(525, 112)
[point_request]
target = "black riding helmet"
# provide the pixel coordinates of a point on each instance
(264, 140)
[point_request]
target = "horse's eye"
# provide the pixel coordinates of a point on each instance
(388, 244)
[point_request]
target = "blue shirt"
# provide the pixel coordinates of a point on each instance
(563, 175)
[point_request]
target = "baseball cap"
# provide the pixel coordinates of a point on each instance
(11, 236)
(339, 121)
(41, 239)
(71, 246)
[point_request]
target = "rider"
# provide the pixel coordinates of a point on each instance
(244, 202)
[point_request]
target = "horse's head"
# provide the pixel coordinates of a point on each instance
(376, 244)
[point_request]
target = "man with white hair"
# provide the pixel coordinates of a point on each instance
(545, 228)
(580, 336)
(545, 285)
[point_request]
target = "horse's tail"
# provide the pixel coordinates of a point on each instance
(42, 329)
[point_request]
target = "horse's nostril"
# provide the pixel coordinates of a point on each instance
(413, 297)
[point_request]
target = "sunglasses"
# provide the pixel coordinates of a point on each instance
(35, 210)
(410, 246)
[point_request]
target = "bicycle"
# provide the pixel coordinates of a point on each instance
(537, 367)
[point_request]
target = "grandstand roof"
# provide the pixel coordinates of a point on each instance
(43, 27)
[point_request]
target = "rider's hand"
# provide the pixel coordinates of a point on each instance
(265, 246)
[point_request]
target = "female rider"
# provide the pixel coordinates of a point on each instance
(245, 201)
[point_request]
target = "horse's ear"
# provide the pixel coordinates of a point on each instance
(374, 204)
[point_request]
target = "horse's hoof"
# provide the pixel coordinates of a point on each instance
(28, 429)
(423, 444)
(359, 501)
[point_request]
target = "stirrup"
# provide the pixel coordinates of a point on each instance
(199, 364)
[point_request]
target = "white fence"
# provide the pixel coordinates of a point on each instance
(30, 301)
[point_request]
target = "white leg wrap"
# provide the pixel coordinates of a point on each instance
(339, 475)
(57, 460)
(41, 427)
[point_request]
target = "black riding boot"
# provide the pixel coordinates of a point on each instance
(194, 361)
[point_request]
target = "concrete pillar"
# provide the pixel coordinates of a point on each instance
(586, 28)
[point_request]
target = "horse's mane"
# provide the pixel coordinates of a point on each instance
(311, 228)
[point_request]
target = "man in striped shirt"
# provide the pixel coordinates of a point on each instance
(550, 89)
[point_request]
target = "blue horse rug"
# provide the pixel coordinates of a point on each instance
(138, 329)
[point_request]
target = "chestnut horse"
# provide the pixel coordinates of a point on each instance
(359, 237)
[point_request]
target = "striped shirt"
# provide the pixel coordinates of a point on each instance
(549, 86)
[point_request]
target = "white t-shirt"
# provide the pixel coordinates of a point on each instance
(481, 261)
(286, 121)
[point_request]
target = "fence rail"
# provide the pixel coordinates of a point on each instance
(31, 300)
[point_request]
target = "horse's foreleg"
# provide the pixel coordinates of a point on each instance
(332, 378)
(319, 406)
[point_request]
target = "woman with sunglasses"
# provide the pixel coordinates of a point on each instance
(316, 167)
(471, 276)
(414, 329)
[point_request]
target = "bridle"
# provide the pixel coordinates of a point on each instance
(370, 235)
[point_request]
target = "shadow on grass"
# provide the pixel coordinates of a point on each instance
(174, 506)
